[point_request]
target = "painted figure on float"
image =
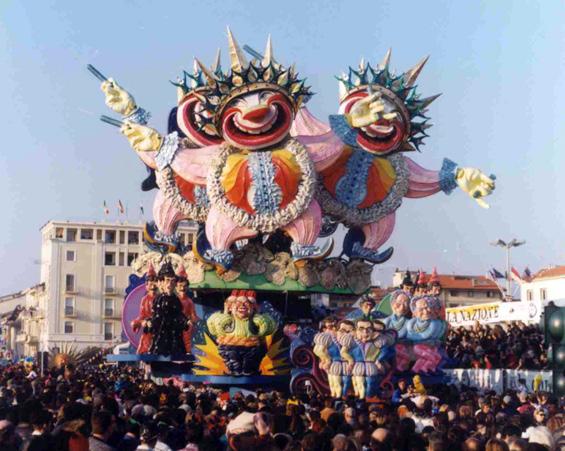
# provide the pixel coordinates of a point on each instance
(168, 322)
(250, 152)
(327, 347)
(426, 331)
(369, 354)
(367, 303)
(145, 311)
(240, 332)
(187, 307)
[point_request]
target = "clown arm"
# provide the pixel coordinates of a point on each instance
(265, 324)
(158, 152)
(424, 182)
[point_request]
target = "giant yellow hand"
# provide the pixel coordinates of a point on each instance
(367, 111)
(475, 184)
(117, 98)
(141, 137)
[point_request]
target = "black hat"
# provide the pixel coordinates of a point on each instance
(407, 279)
(167, 270)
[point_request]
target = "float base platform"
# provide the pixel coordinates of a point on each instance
(149, 358)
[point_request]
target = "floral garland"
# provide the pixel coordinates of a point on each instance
(194, 211)
(359, 216)
(264, 222)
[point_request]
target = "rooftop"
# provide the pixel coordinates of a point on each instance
(553, 272)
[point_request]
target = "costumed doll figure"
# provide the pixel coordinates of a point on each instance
(361, 353)
(168, 322)
(141, 322)
(400, 304)
(426, 332)
(187, 307)
(434, 285)
(407, 284)
(384, 339)
(240, 333)
(327, 348)
(365, 311)
(421, 284)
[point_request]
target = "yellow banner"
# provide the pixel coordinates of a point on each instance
(483, 313)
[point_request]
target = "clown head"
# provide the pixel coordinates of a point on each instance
(396, 129)
(253, 106)
(400, 303)
(242, 304)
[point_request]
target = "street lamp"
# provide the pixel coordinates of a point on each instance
(507, 246)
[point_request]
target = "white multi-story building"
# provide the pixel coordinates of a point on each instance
(85, 268)
(546, 285)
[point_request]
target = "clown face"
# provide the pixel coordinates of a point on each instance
(190, 114)
(364, 331)
(401, 305)
(383, 136)
(257, 119)
(241, 308)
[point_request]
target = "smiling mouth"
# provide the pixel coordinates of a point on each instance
(272, 129)
(381, 137)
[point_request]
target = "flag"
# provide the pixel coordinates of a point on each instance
(527, 274)
(497, 274)
(106, 209)
(491, 275)
(515, 275)
(121, 208)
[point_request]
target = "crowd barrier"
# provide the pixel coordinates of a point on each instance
(501, 379)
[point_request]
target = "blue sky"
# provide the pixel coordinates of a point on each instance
(499, 66)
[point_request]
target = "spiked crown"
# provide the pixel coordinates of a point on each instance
(402, 86)
(243, 77)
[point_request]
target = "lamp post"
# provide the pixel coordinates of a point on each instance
(508, 246)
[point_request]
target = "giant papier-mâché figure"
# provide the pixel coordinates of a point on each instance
(168, 322)
(400, 304)
(426, 332)
(369, 353)
(327, 347)
(240, 332)
(366, 184)
(248, 156)
(145, 311)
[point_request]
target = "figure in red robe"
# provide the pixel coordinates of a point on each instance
(145, 311)
(187, 307)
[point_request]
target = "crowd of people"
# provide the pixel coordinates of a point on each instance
(513, 346)
(105, 408)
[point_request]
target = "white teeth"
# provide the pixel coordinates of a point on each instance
(257, 131)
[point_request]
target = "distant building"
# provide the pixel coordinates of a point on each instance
(546, 285)
(458, 290)
(85, 267)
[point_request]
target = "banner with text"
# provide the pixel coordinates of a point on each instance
(494, 312)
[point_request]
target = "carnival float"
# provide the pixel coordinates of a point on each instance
(268, 185)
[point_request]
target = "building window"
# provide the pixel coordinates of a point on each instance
(70, 282)
(109, 284)
(108, 331)
(543, 294)
(121, 259)
(108, 307)
(99, 234)
(470, 294)
(70, 256)
(86, 234)
(110, 236)
(122, 237)
(71, 234)
(110, 259)
(529, 295)
(453, 293)
(59, 233)
(131, 257)
(133, 237)
(69, 327)
(69, 306)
